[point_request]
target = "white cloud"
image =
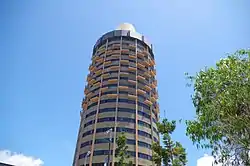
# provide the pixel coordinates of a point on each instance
(206, 161)
(19, 159)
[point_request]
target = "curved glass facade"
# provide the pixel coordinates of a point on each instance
(120, 95)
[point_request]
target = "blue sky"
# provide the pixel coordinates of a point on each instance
(45, 51)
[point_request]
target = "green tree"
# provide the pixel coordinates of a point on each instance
(121, 151)
(172, 153)
(222, 102)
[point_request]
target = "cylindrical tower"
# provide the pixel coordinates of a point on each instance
(120, 95)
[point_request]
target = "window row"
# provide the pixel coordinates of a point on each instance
(128, 110)
(106, 140)
(119, 119)
(120, 100)
(123, 101)
(106, 152)
(118, 129)
(114, 37)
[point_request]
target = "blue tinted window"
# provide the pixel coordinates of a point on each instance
(130, 141)
(103, 140)
(155, 139)
(144, 156)
(154, 113)
(91, 113)
(93, 104)
(86, 144)
(141, 123)
(144, 114)
(110, 72)
(101, 152)
(144, 144)
(108, 101)
(155, 130)
(126, 101)
(82, 155)
(107, 119)
(114, 92)
(110, 86)
(87, 133)
(123, 78)
(126, 110)
(141, 97)
(123, 119)
(145, 134)
(143, 105)
(110, 92)
(106, 110)
(123, 65)
(89, 123)
(100, 130)
(105, 79)
(131, 153)
(154, 120)
(127, 130)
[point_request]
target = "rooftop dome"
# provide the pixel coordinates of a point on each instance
(127, 27)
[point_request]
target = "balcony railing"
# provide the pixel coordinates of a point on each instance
(98, 72)
(153, 72)
(146, 74)
(123, 87)
(153, 85)
(123, 61)
(116, 51)
(140, 77)
(131, 46)
(132, 96)
(148, 102)
(116, 46)
(89, 77)
(99, 60)
(94, 99)
(113, 80)
(131, 68)
(92, 81)
(141, 66)
(114, 67)
(106, 75)
(112, 95)
(151, 62)
(146, 52)
(104, 89)
(86, 90)
(107, 63)
(132, 56)
(153, 99)
(100, 51)
(147, 88)
(146, 63)
(140, 91)
(97, 84)
(109, 52)
(132, 81)
(140, 54)
(116, 56)
(89, 95)
(84, 106)
(125, 51)
(124, 74)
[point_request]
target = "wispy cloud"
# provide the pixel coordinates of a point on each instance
(19, 159)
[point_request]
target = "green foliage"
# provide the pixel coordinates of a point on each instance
(222, 102)
(121, 151)
(172, 153)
